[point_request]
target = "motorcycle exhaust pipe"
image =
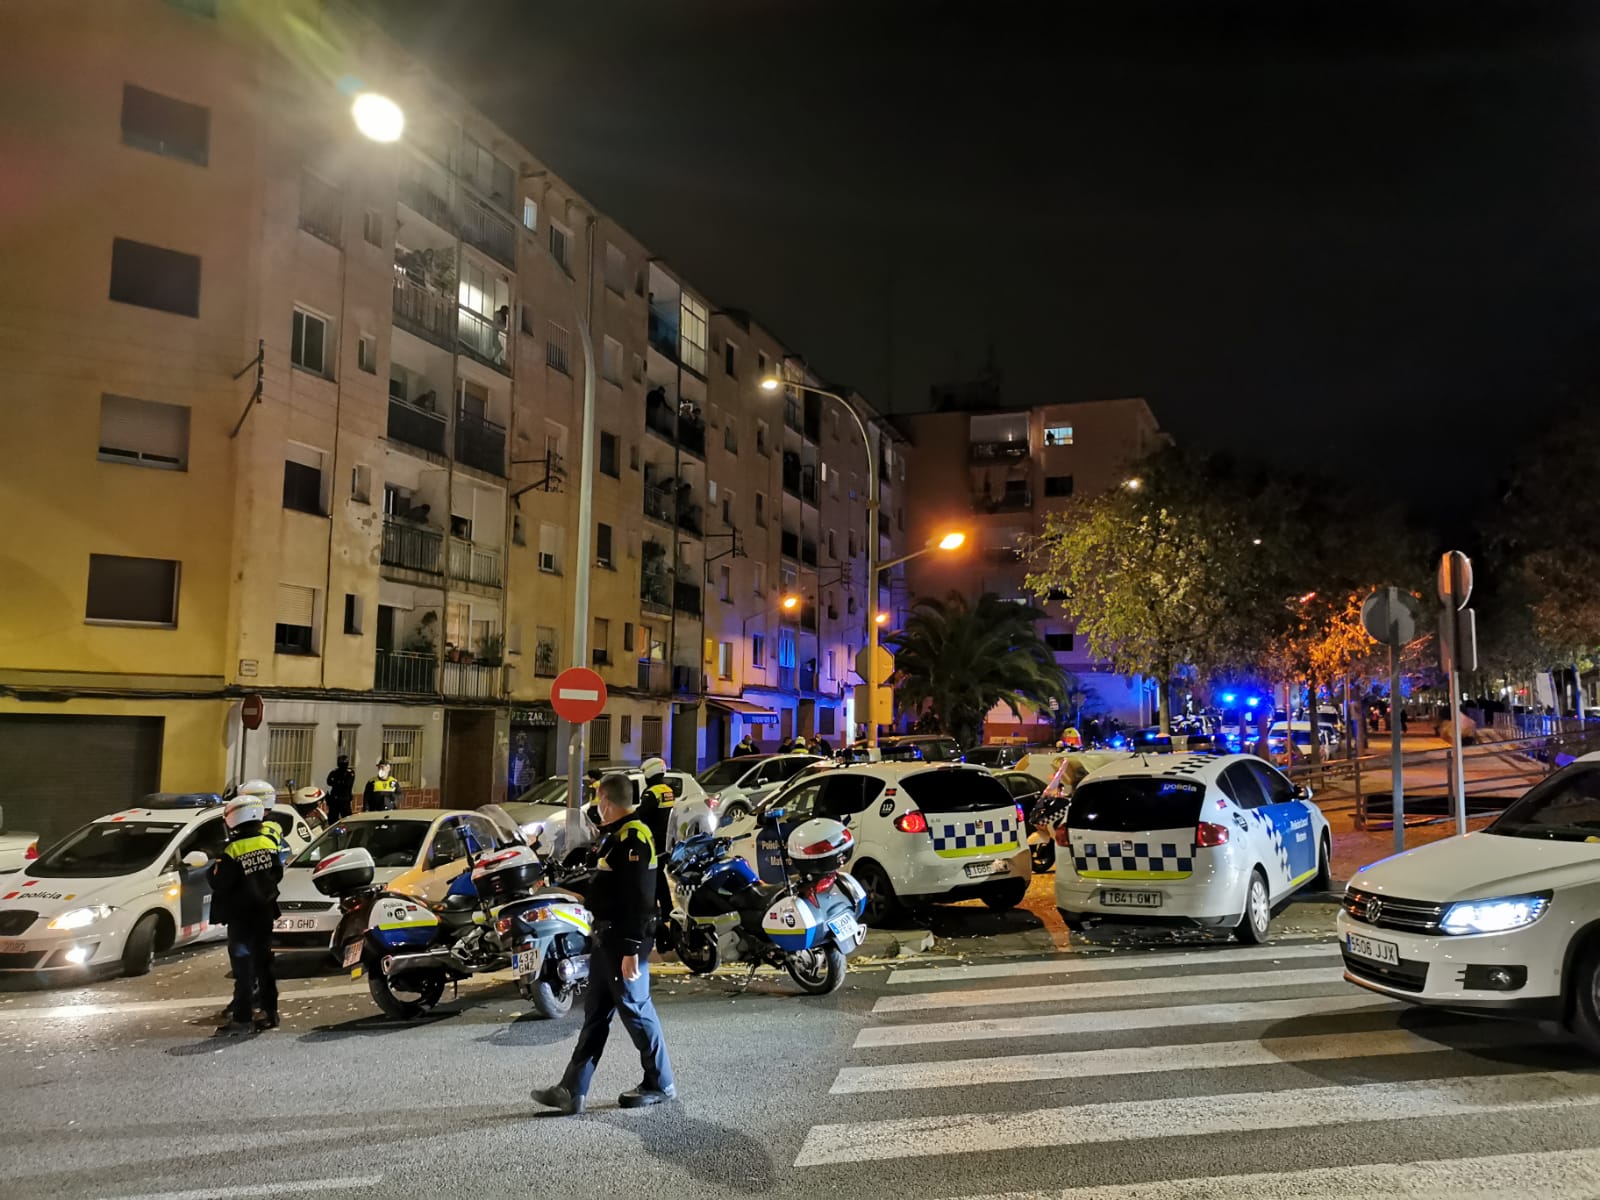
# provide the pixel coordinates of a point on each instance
(576, 967)
(399, 964)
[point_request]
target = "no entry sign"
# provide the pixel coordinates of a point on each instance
(251, 710)
(578, 694)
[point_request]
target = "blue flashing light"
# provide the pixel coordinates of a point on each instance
(1253, 701)
(1229, 697)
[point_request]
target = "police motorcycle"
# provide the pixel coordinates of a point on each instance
(808, 924)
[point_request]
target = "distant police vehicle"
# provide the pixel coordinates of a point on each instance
(1202, 840)
(117, 891)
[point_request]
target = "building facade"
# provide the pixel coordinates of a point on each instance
(298, 415)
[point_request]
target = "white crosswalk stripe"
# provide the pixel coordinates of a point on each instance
(1083, 964)
(1104, 990)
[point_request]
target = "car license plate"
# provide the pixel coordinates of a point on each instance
(1119, 898)
(845, 928)
(294, 924)
(526, 962)
(978, 870)
(1378, 951)
(13, 947)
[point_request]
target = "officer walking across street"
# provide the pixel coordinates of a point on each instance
(382, 793)
(244, 894)
(621, 899)
(341, 789)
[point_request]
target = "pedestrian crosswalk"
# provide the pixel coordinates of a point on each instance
(1168, 1075)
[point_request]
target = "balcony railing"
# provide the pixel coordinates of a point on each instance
(473, 681)
(480, 443)
(808, 553)
(996, 451)
(421, 311)
(664, 335)
(658, 418)
(808, 488)
(689, 519)
(658, 503)
(791, 479)
(655, 594)
(483, 339)
(490, 233)
(472, 563)
(417, 194)
(413, 547)
(321, 208)
(653, 675)
(789, 544)
(401, 671)
(1010, 500)
(416, 426)
(788, 678)
(686, 598)
(692, 436)
(685, 679)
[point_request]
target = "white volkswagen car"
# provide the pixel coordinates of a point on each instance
(1506, 920)
(923, 832)
(114, 893)
(1214, 841)
(740, 783)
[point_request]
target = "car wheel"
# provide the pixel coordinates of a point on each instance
(139, 951)
(1324, 880)
(1257, 920)
(1583, 991)
(1003, 897)
(1044, 857)
(882, 903)
(737, 810)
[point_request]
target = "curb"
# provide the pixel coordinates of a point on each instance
(896, 943)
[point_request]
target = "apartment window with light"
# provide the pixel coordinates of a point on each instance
(144, 433)
(1058, 435)
(530, 214)
(308, 342)
(164, 125)
(132, 591)
(609, 446)
(692, 334)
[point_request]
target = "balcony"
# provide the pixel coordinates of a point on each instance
(655, 595)
(790, 544)
(492, 234)
(321, 208)
(808, 488)
(808, 617)
(1002, 555)
(414, 547)
(1011, 500)
(984, 452)
(401, 671)
(808, 553)
(793, 414)
(480, 443)
(653, 675)
(813, 419)
(689, 519)
(788, 678)
(685, 679)
(416, 427)
(473, 681)
(664, 334)
(422, 311)
(686, 598)
(658, 418)
(658, 504)
(471, 563)
(692, 435)
(418, 194)
(483, 339)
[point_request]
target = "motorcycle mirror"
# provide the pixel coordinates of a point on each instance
(196, 859)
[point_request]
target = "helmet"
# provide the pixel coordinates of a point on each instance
(652, 769)
(310, 794)
(344, 760)
(242, 810)
(820, 844)
(259, 788)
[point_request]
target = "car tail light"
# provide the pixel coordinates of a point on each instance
(1063, 838)
(911, 822)
(714, 799)
(1208, 833)
(31, 853)
(1022, 817)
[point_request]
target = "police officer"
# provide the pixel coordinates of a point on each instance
(656, 810)
(746, 745)
(382, 793)
(244, 893)
(341, 789)
(619, 960)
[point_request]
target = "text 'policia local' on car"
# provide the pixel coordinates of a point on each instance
(1504, 921)
(1217, 841)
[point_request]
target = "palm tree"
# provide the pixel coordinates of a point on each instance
(961, 658)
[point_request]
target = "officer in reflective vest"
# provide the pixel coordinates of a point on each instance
(244, 893)
(619, 959)
(656, 809)
(382, 793)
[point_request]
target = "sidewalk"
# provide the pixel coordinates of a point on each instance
(1356, 848)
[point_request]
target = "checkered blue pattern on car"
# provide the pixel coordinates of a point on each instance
(1149, 860)
(958, 837)
(1275, 835)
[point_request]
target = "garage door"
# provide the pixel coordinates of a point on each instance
(62, 771)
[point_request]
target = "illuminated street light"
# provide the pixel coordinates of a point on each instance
(791, 602)
(770, 384)
(952, 541)
(1133, 484)
(882, 618)
(378, 117)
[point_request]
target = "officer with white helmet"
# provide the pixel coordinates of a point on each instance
(244, 894)
(262, 791)
(656, 810)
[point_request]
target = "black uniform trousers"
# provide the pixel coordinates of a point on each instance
(250, 954)
(608, 995)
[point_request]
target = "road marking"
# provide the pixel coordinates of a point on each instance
(287, 1188)
(1140, 1120)
(1118, 962)
(1049, 993)
(918, 1034)
(571, 693)
(1134, 1060)
(1554, 1173)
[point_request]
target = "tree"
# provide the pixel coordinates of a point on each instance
(959, 659)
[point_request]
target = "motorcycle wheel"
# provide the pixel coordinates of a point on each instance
(553, 1001)
(699, 953)
(818, 971)
(1044, 857)
(419, 991)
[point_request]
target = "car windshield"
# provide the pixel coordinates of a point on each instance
(391, 843)
(1564, 808)
(106, 848)
(947, 791)
(546, 791)
(726, 773)
(1135, 804)
(922, 749)
(986, 756)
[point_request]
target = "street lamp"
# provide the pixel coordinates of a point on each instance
(1133, 484)
(378, 117)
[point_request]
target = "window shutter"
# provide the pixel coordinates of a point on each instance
(296, 604)
(304, 455)
(145, 428)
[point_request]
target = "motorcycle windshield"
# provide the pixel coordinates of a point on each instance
(504, 825)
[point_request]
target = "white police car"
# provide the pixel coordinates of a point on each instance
(1504, 921)
(923, 832)
(115, 892)
(1204, 840)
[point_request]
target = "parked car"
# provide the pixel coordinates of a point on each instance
(1003, 754)
(533, 809)
(1303, 734)
(1026, 790)
(739, 783)
(920, 747)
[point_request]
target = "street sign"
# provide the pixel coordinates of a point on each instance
(251, 711)
(1455, 579)
(578, 694)
(885, 662)
(1390, 616)
(1458, 640)
(880, 712)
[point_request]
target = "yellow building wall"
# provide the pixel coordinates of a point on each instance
(196, 752)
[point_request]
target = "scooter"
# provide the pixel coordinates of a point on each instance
(548, 934)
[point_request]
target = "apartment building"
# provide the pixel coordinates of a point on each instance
(298, 415)
(997, 473)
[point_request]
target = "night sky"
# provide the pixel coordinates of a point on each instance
(1357, 238)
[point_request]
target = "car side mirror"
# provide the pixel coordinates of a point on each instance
(195, 860)
(1302, 792)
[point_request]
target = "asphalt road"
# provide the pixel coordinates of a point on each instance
(999, 1064)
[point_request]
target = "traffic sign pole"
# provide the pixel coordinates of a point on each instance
(1390, 616)
(1458, 638)
(1397, 754)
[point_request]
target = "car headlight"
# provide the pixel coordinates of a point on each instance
(77, 918)
(1495, 916)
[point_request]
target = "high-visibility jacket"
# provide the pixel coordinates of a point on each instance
(245, 877)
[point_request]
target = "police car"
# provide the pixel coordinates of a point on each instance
(1503, 921)
(923, 832)
(117, 891)
(1216, 841)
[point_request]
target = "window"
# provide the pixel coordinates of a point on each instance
(361, 483)
(602, 544)
(289, 755)
(144, 433)
(132, 591)
(560, 241)
(730, 359)
(758, 650)
(1058, 485)
(616, 269)
(692, 334)
(519, 533)
(600, 648)
(827, 666)
(786, 648)
(759, 570)
(558, 348)
(611, 361)
(727, 508)
(625, 730)
(850, 544)
(151, 121)
(831, 552)
(487, 173)
(367, 353)
(352, 613)
(725, 660)
(608, 455)
(850, 605)
(152, 277)
(1060, 643)
(600, 738)
(546, 650)
(550, 539)
(649, 736)
(761, 509)
(1058, 435)
(321, 208)
(344, 742)
(295, 632)
(1241, 786)
(401, 748)
(530, 214)
(730, 436)
(372, 227)
(627, 637)
(761, 437)
(761, 364)
(725, 583)
(308, 343)
(302, 480)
